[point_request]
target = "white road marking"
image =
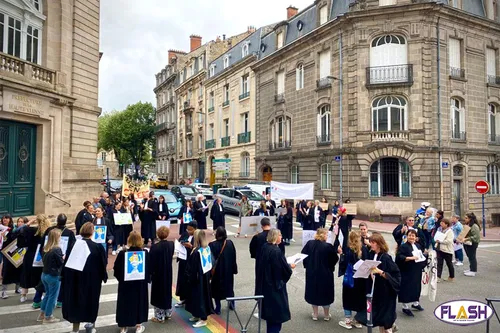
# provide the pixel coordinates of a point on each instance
(31, 291)
(485, 246)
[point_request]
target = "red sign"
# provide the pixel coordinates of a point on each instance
(482, 187)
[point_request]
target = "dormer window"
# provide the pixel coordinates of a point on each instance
(201, 63)
(244, 49)
(37, 4)
(212, 70)
(279, 40)
(226, 61)
(323, 14)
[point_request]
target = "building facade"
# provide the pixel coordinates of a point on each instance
(107, 162)
(388, 103)
(49, 72)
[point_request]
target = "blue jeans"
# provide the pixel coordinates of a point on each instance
(459, 255)
(347, 313)
(273, 327)
(38, 297)
(51, 284)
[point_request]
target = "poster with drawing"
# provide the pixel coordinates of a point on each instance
(99, 235)
(14, 254)
(206, 259)
(250, 225)
(135, 265)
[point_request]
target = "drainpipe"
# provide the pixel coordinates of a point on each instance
(441, 187)
(341, 83)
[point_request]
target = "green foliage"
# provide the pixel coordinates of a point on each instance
(130, 133)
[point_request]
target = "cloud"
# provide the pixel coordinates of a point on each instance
(135, 38)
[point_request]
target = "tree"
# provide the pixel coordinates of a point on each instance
(129, 133)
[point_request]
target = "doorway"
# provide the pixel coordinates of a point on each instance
(267, 174)
(458, 174)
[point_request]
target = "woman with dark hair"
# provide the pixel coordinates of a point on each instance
(127, 228)
(84, 216)
(10, 274)
(102, 220)
(308, 216)
(325, 212)
(133, 205)
(471, 242)
(162, 208)
(224, 267)
(186, 215)
(445, 250)
(187, 240)
(117, 230)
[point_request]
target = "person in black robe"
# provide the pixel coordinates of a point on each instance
(84, 216)
(386, 288)
(224, 261)
(127, 228)
(344, 221)
(186, 215)
(160, 259)
(288, 223)
(320, 265)
(272, 274)
(281, 221)
(100, 219)
(400, 233)
(118, 235)
(353, 297)
(80, 296)
(260, 239)
(182, 287)
(200, 208)
(411, 273)
(270, 205)
(199, 301)
(325, 212)
(262, 210)
(298, 209)
(217, 214)
(163, 213)
(148, 215)
(308, 216)
(317, 215)
(10, 273)
(132, 306)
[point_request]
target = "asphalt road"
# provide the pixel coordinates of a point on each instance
(20, 318)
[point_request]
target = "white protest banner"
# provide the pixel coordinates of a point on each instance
(162, 223)
(206, 259)
(135, 265)
(122, 219)
(292, 191)
(308, 235)
(250, 225)
(78, 256)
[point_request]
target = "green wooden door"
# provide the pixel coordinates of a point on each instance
(17, 168)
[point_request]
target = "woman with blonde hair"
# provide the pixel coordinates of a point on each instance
(353, 290)
(31, 238)
(320, 265)
(262, 210)
(199, 301)
(53, 261)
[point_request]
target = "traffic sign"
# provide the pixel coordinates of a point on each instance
(482, 187)
(221, 160)
(338, 158)
(445, 165)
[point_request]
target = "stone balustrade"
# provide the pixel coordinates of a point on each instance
(390, 136)
(26, 71)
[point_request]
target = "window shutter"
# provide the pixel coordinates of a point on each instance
(281, 82)
(462, 120)
(452, 118)
(324, 64)
(318, 124)
(454, 50)
(297, 78)
(491, 68)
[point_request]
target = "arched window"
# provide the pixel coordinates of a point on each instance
(324, 124)
(299, 77)
(457, 115)
(294, 174)
(390, 177)
(244, 49)
(226, 61)
(389, 114)
(281, 129)
(245, 165)
(389, 60)
(326, 177)
(493, 124)
(493, 177)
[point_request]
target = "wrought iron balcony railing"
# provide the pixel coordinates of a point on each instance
(244, 137)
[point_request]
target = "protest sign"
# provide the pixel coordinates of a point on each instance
(140, 188)
(180, 250)
(463, 234)
(78, 256)
(250, 225)
(364, 269)
(324, 206)
(122, 219)
(292, 191)
(135, 265)
(352, 209)
(37, 261)
(99, 235)
(162, 223)
(308, 235)
(14, 254)
(206, 259)
(63, 243)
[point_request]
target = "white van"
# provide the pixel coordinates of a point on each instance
(261, 188)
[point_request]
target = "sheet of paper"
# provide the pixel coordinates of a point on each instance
(37, 261)
(439, 236)
(280, 210)
(365, 268)
(420, 256)
(308, 235)
(162, 223)
(180, 250)
(78, 256)
(296, 258)
(341, 238)
(206, 259)
(122, 219)
(135, 265)
(358, 264)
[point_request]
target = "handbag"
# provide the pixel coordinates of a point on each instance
(212, 272)
(349, 276)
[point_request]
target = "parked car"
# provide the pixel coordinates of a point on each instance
(232, 197)
(160, 183)
(185, 192)
(115, 185)
(204, 189)
(174, 204)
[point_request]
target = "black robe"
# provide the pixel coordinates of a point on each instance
(10, 273)
(182, 287)
(148, 219)
(132, 306)
(218, 216)
(200, 214)
(257, 242)
(82, 290)
(261, 212)
(81, 218)
(398, 236)
(198, 301)
(30, 276)
(164, 213)
(109, 230)
(183, 224)
(65, 232)
(160, 259)
(411, 274)
(354, 299)
(344, 225)
(222, 284)
(287, 230)
(272, 274)
(319, 265)
(308, 218)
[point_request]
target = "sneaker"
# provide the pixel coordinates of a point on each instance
(327, 318)
(36, 305)
(4, 295)
(193, 319)
(346, 324)
(356, 324)
(466, 271)
(246, 236)
(408, 312)
(292, 240)
(179, 305)
(41, 317)
(395, 328)
(417, 307)
(113, 253)
(24, 299)
(119, 249)
(315, 318)
(140, 329)
(470, 274)
(439, 280)
(51, 320)
(59, 305)
(200, 323)
(19, 290)
(459, 263)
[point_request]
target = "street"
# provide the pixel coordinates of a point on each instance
(21, 318)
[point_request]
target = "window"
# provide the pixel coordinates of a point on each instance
(226, 61)
(388, 51)
(492, 177)
(324, 124)
(181, 170)
(326, 177)
(457, 119)
(280, 78)
(324, 64)
(193, 68)
(14, 37)
(32, 43)
(211, 100)
(226, 94)
(181, 77)
(294, 172)
(200, 91)
(279, 40)
(299, 77)
(281, 132)
(244, 49)
(455, 57)
(387, 2)
(212, 70)
(389, 114)
(201, 62)
(226, 127)
(103, 156)
(244, 84)
(245, 165)
(37, 4)
(323, 14)
(211, 134)
(200, 142)
(189, 169)
(491, 66)
(493, 123)
(390, 177)
(244, 122)
(455, 3)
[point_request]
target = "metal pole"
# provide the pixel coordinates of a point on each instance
(369, 298)
(341, 83)
(441, 185)
(484, 218)
(107, 180)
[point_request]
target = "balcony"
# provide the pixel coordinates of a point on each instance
(19, 69)
(161, 127)
(324, 83)
(458, 136)
(225, 141)
(211, 109)
(283, 145)
(279, 98)
(189, 153)
(187, 107)
(210, 144)
(391, 136)
(189, 128)
(323, 139)
(225, 103)
(244, 137)
(245, 174)
(457, 73)
(244, 95)
(389, 75)
(170, 126)
(494, 139)
(495, 80)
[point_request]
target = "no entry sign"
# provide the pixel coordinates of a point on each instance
(482, 187)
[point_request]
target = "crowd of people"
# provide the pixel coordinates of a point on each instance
(206, 271)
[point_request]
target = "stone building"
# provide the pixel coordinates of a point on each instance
(107, 160)
(386, 102)
(230, 111)
(49, 70)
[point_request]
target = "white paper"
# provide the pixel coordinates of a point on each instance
(206, 259)
(37, 261)
(162, 223)
(365, 268)
(135, 265)
(280, 210)
(180, 250)
(122, 218)
(308, 235)
(78, 256)
(63, 243)
(250, 225)
(358, 264)
(439, 236)
(341, 238)
(296, 258)
(419, 255)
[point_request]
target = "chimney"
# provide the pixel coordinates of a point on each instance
(490, 11)
(291, 11)
(224, 37)
(195, 42)
(251, 29)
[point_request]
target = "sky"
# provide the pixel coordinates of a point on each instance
(136, 37)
